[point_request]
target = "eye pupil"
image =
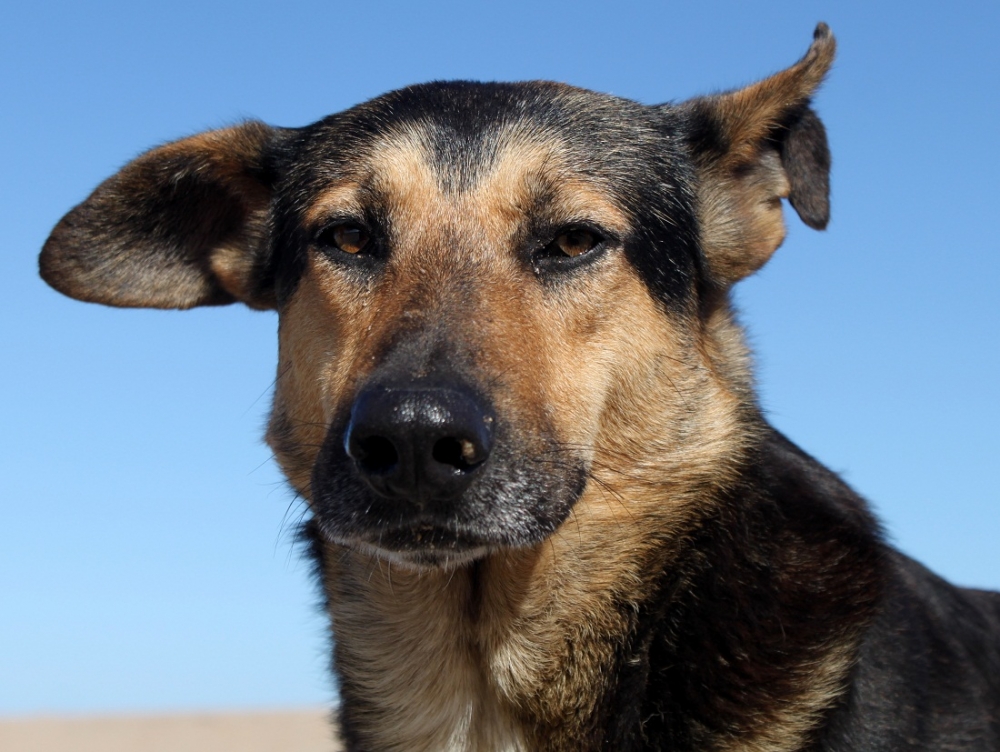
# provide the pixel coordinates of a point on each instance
(350, 238)
(575, 242)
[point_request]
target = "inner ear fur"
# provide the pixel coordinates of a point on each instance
(752, 148)
(180, 226)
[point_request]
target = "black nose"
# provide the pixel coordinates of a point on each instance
(421, 444)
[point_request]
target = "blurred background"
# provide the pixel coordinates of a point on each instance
(148, 560)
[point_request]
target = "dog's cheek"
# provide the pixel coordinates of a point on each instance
(603, 330)
(646, 390)
(311, 380)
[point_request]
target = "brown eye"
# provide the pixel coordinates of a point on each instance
(574, 242)
(348, 238)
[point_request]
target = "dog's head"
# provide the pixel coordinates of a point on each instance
(492, 297)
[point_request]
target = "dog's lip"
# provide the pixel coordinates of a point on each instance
(425, 558)
(417, 544)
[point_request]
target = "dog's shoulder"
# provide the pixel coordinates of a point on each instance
(829, 617)
(928, 672)
(927, 675)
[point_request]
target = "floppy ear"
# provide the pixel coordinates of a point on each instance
(753, 147)
(180, 226)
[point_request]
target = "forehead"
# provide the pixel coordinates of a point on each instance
(463, 131)
(526, 177)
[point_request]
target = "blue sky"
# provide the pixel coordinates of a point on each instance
(148, 560)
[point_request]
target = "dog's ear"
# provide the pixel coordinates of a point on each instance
(182, 225)
(753, 147)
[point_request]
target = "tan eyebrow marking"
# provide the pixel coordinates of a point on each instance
(526, 169)
(340, 198)
(584, 200)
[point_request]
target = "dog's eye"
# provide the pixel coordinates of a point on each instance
(573, 243)
(349, 238)
(571, 248)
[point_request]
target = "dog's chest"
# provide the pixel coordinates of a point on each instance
(456, 723)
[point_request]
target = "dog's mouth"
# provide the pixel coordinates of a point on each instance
(420, 546)
(508, 508)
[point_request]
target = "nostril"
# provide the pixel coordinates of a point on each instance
(375, 454)
(459, 453)
(418, 443)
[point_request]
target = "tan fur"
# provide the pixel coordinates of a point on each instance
(788, 728)
(741, 216)
(339, 197)
(438, 697)
(233, 270)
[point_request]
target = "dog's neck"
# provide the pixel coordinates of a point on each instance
(483, 657)
(503, 654)
(414, 673)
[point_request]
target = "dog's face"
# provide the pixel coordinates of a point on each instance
(459, 289)
(490, 295)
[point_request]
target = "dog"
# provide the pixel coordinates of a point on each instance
(547, 512)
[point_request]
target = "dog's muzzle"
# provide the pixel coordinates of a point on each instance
(424, 472)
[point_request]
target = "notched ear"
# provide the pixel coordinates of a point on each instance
(752, 148)
(182, 225)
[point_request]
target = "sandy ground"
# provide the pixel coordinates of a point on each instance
(288, 731)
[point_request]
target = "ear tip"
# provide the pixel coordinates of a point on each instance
(824, 44)
(63, 263)
(814, 211)
(52, 262)
(64, 269)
